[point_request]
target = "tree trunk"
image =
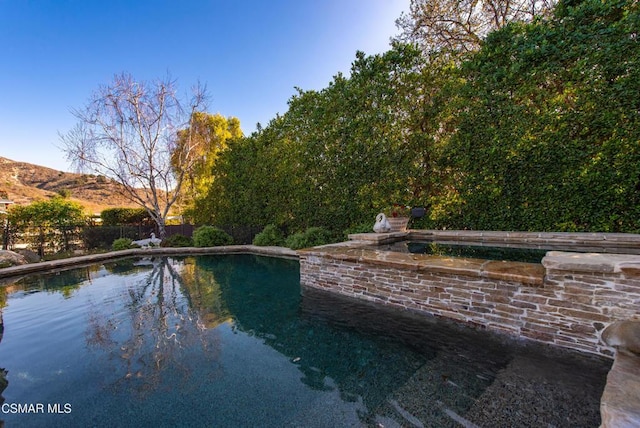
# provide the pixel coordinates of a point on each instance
(162, 232)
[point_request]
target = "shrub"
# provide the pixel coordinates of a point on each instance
(209, 236)
(50, 225)
(311, 237)
(177, 240)
(296, 241)
(122, 244)
(270, 235)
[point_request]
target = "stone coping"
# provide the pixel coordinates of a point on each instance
(627, 264)
(525, 273)
(379, 238)
(593, 262)
(596, 242)
(43, 267)
(620, 404)
(587, 237)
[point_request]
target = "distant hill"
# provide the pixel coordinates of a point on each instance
(25, 183)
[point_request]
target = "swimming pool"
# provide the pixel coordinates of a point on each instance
(234, 341)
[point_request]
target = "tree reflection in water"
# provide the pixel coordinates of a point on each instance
(151, 340)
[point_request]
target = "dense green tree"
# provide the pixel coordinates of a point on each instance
(537, 130)
(55, 212)
(208, 135)
(52, 223)
(340, 154)
(248, 173)
(549, 130)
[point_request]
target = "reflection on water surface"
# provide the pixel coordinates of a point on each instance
(232, 341)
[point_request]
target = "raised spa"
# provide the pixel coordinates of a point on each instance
(476, 250)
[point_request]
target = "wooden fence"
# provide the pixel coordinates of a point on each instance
(49, 240)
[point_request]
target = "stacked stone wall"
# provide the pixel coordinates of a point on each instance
(565, 303)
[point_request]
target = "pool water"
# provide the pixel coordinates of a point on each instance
(233, 341)
(478, 251)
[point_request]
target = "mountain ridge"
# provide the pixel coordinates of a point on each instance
(25, 183)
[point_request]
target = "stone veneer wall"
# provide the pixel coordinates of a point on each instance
(566, 301)
(594, 290)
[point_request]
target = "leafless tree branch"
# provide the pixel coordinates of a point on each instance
(461, 25)
(127, 131)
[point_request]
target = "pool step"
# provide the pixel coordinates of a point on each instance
(532, 391)
(452, 390)
(434, 395)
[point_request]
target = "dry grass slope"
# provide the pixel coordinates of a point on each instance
(25, 183)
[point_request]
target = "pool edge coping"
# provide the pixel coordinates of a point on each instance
(44, 267)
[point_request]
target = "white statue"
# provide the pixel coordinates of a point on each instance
(382, 224)
(149, 242)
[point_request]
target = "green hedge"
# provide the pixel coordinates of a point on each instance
(120, 216)
(538, 130)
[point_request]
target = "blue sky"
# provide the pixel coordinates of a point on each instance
(250, 54)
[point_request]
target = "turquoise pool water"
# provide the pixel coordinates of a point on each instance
(232, 341)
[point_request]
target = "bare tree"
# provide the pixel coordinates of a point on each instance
(461, 25)
(128, 131)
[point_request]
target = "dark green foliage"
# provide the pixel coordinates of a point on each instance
(270, 235)
(103, 236)
(177, 240)
(538, 130)
(48, 226)
(311, 237)
(548, 135)
(119, 216)
(338, 154)
(209, 236)
(121, 244)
